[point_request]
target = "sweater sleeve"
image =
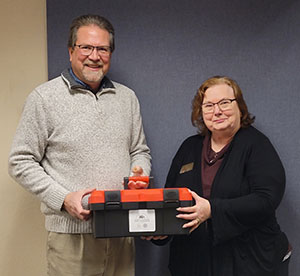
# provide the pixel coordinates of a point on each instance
(139, 151)
(265, 177)
(27, 153)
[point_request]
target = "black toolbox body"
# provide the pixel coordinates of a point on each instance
(144, 212)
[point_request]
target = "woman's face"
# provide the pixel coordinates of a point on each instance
(224, 118)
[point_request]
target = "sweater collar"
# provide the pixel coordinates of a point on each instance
(74, 83)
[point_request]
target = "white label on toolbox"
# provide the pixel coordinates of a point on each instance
(142, 220)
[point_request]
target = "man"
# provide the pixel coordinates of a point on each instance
(80, 132)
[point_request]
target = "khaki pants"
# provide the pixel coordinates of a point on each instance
(82, 255)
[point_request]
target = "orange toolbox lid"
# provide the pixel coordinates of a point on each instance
(142, 195)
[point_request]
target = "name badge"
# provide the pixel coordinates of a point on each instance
(187, 167)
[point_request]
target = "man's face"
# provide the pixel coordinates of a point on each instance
(90, 69)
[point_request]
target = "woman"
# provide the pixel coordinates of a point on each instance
(237, 181)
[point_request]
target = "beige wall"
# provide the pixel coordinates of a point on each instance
(23, 65)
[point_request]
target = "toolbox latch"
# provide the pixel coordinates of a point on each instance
(171, 198)
(112, 199)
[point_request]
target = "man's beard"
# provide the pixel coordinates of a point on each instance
(90, 76)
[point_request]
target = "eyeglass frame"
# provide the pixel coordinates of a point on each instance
(98, 48)
(218, 104)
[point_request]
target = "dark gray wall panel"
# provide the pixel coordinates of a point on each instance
(165, 49)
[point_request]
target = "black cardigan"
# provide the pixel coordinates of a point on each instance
(242, 238)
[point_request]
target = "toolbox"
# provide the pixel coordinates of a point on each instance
(141, 212)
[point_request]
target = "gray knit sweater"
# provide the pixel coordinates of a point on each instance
(69, 139)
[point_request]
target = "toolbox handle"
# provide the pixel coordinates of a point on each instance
(143, 178)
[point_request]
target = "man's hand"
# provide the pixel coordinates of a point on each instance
(72, 204)
(134, 185)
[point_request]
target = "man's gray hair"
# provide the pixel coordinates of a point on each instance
(90, 19)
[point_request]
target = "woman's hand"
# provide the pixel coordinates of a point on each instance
(196, 214)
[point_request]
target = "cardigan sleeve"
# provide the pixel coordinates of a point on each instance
(185, 155)
(173, 171)
(171, 180)
(265, 177)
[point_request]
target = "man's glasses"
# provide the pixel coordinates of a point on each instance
(87, 50)
(223, 105)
